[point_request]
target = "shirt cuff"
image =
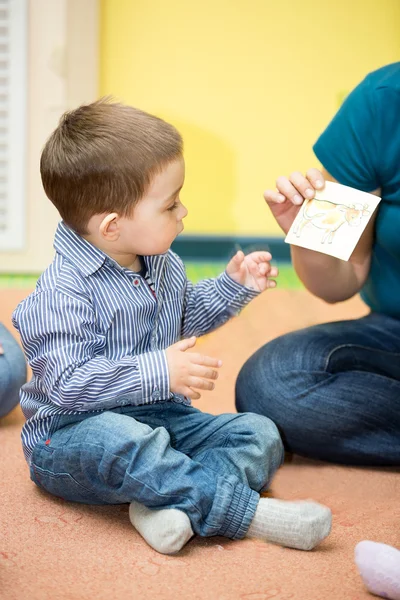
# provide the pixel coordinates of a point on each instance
(236, 294)
(154, 375)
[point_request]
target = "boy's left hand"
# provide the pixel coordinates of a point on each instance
(252, 270)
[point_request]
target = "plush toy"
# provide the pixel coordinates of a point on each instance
(379, 567)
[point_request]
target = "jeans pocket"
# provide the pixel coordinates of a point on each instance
(63, 485)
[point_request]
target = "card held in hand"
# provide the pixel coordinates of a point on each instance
(333, 221)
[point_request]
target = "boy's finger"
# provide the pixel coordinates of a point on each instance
(237, 259)
(206, 361)
(184, 345)
(261, 256)
(205, 372)
(189, 393)
(236, 263)
(239, 256)
(274, 272)
(253, 267)
(200, 384)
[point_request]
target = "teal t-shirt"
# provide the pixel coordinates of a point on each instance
(361, 148)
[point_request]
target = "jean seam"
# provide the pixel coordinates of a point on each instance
(360, 346)
(204, 447)
(52, 475)
(141, 483)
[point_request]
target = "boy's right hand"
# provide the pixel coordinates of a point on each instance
(286, 200)
(189, 371)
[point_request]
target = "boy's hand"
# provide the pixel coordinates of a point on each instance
(189, 371)
(252, 270)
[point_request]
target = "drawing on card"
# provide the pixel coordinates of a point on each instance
(333, 221)
(329, 217)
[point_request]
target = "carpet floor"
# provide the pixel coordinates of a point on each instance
(54, 550)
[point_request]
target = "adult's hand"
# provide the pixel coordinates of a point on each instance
(290, 193)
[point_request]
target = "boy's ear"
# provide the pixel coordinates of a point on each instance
(109, 227)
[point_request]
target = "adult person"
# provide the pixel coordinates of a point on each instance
(334, 389)
(12, 371)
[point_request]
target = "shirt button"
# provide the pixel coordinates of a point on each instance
(156, 395)
(136, 281)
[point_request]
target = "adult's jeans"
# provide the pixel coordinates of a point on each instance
(164, 455)
(12, 371)
(333, 390)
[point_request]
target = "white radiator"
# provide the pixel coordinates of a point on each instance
(13, 126)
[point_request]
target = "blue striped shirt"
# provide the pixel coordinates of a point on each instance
(95, 333)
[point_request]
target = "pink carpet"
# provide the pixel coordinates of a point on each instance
(54, 550)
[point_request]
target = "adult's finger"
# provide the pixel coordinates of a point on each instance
(316, 178)
(287, 188)
(274, 197)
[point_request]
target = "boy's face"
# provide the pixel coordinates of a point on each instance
(157, 217)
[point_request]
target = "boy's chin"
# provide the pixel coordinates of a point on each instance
(162, 249)
(159, 251)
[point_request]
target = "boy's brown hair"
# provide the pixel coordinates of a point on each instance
(102, 158)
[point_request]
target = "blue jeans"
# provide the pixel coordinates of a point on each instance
(333, 390)
(164, 455)
(12, 372)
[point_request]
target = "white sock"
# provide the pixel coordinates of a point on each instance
(301, 524)
(166, 530)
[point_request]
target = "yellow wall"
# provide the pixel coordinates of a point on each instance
(249, 83)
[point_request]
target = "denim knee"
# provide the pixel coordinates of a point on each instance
(272, 377)
(12, 372)
(266, 449)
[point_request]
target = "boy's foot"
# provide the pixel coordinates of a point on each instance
(379, 567)
(166, 530)
(301, 524)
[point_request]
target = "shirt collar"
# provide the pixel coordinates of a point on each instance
(84, 256)
(88, 258)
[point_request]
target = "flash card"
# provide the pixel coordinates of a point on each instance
(333, 221)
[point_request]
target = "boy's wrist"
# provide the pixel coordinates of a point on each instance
(231, 290)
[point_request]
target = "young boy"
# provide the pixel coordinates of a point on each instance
(106, 333)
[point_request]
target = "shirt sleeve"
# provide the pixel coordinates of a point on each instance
(212, 302)
(66, 352)
(349, 146)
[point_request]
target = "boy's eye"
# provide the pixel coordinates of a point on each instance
(173, 206)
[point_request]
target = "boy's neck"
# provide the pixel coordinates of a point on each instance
(128, 261)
